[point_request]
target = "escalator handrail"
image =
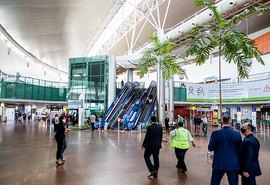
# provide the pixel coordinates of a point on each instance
(149, 113)
(116, 101)
(130, 111)
(129, 101)
(132, 124)
(142, 104)
(119, 107)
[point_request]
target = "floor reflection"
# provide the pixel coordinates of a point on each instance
(27, 156)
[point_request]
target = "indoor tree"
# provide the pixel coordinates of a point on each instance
(160, 54)
(221, 35)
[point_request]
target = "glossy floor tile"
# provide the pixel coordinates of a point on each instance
(27, 157)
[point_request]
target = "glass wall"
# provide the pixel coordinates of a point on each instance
(88, 83)
(19, 87)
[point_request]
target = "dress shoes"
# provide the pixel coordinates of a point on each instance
(59, 162)
(183, 171)
(153, 174)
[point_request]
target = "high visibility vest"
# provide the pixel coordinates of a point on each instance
(180, 140)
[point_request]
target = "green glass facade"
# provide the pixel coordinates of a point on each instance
(19, 87)
(88, 83)
(180, 92)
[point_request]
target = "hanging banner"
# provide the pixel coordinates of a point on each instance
(246, 91)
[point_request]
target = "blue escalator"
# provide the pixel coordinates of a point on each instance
(126, 108)
(138, 108)
(148, 109)
(131, 114)
(117, 101)
(117, 111)
(149, 112)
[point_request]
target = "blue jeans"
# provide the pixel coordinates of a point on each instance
(63, 148)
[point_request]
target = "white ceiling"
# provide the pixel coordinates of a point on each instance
(56, 30)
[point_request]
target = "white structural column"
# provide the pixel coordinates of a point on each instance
(167, 98)
(158, 91)
(130, 75)
(111, 81)
(171, 100)
(160, 95)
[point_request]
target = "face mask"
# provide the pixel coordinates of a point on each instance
(64, 121)
(243, 130)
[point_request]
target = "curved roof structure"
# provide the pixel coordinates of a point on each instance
(52, 31)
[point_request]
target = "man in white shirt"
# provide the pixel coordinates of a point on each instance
(205, 124)
(92, 121)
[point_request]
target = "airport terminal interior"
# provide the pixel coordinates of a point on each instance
(82, 60)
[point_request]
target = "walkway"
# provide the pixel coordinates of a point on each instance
(27, 157)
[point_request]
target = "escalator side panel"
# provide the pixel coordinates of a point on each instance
(132, 124)
(116, 101)
(120, 105)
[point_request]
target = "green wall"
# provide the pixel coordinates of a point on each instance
(19, 87)
(15, 90)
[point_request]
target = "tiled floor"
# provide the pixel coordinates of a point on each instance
(27, 156)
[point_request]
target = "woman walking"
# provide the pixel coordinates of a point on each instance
(60, 139)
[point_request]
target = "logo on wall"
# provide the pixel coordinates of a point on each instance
(190, 90)
(200, 91)
(266, 88)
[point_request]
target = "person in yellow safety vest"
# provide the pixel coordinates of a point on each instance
(180, 139)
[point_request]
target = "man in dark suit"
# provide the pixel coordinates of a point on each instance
(226, 144)
(152, 145)
(250, 167)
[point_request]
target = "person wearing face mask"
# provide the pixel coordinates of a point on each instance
(226, 144)
(60, 140)
(250, 167)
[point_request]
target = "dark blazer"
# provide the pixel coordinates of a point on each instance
(153, 137)
(249, 156)
(226, 144)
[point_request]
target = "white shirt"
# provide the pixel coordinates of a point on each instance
(56, 120)
(204, 119)
(93, 118)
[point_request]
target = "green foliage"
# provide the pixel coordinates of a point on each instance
(234, 46)
(160, 53)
